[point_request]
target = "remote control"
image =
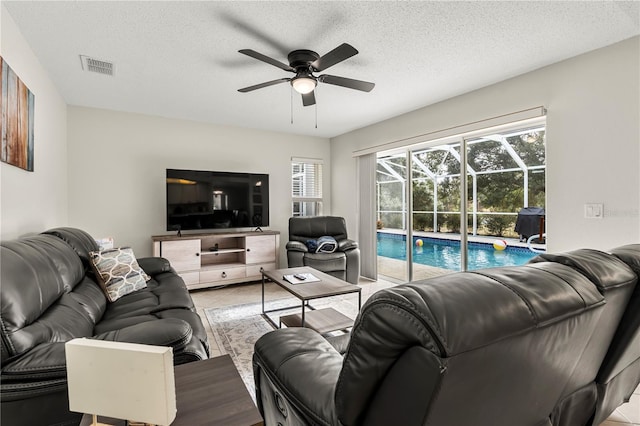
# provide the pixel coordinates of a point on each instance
(300, 276)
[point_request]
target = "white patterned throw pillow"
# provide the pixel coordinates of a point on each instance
(326, 244)
(118, 272)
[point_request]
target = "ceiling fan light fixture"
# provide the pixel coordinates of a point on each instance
(303, 85)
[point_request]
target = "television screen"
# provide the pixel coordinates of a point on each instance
(212, 200)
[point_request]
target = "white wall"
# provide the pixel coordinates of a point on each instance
(593, 142)
(117, 164)
(32, 202)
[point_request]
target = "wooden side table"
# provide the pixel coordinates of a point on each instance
(209, 392)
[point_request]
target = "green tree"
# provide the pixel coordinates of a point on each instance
(500, 182)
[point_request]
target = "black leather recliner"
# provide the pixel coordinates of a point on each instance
(503, 346)
(619, 374)
(49, 296)
(344, 263)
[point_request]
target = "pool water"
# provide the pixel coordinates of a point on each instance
(446, 253)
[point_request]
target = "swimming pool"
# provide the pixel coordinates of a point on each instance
(446, 253)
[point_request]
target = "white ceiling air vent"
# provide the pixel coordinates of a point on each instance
(96, 65)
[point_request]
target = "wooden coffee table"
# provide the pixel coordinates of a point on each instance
(321, 320)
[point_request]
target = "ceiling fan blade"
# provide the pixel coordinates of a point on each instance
(308, 99)
(264, 58)
(339, 54)
(349, 83)
(263, 35)
(265, 84)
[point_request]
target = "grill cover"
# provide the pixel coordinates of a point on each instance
(528, 221)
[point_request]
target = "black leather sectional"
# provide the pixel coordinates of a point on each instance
(49, 296)
(554, 342)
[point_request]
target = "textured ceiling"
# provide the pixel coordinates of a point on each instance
(181, 60)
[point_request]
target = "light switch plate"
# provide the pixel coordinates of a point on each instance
(593, 210)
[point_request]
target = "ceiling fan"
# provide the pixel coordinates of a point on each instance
(303, 63)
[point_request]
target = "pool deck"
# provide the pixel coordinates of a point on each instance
(396, 270)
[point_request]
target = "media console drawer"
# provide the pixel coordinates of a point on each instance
(190, 277)
(211, 259)
(230, 273)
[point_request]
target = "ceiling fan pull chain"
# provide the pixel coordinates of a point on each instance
(291, 99)
(315, 105)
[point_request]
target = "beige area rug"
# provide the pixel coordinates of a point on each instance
(237, 328)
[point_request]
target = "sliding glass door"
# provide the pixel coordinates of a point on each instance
(458, 204)
(436, 209)
(392, 220)
(506, 182)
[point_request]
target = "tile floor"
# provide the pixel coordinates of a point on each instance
(626, 415)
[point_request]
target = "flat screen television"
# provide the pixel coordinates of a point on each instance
(213, 200)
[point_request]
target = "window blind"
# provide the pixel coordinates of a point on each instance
(306, 180)
(306, 187)
(367, 234)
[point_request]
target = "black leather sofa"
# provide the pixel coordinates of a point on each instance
(49, 296)
(553, 342)
(344, 263)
